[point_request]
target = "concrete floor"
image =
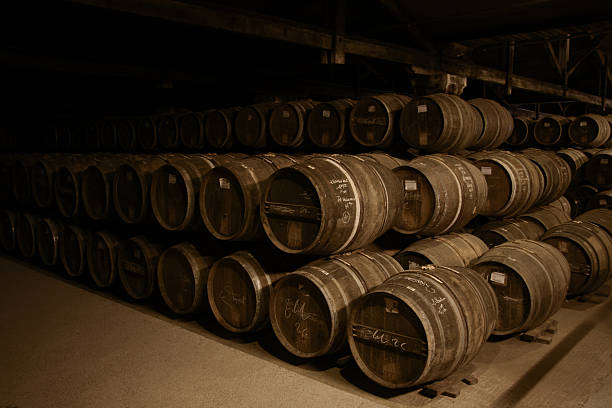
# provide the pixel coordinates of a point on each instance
(64, 344)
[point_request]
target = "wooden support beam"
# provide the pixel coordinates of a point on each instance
(563, 57)
(294, 32)
(553, 56)
(510, 68)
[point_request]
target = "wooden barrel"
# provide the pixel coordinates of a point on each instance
(168, 132)
(562, 204)
(48, 235)
(522, 133)
(598, 170)
(108, 136)
(442, 193)
(182, 273)
(589, 130)
(67, 185)
(74, 242)
(131, 187)
(421, 325)
(231, 193)
(137, 264)
(191, 130)
(373, 119)
(588, 249)
(547, 217)
(329, 204)
(551, 131)
(251, 124)
(219, 128)
(309, 308)
(6, 180)
(602, 199)
(102, 258)
(497, 124)
(390, 162)
(439, 123)
(328, 122)
(288, 122)
(25, 234)
(21, 181)
(557, 173)
(8, 230)
(240, 285)
(42, 180)
(575, 159)
(592, 151)
(97, 187)
(530, 280)
(146, 133)
(445, 250)
(126, 135)
(498, 232)
(599, 216)
(579, 198)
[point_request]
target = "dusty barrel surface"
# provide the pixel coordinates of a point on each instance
(530, 280)
(440, 123)
(48, 236)
(131, 187)
(551, 131)
(146, 133)
(25, 234)
(373, 121)
(442, 193)
(182, 274)
(421, 325)
(522, 133)
(563, 205)
(126, 135)
(175, 187)
(329, 204)
(8, 230)
(498, 232)
(557, 173)
(191, 130)
(497, 121)
(137, 265)
(102, 258)
(575, 159)
(588, 249)
(97, 188)
(387, 160)
(219, 128)
(251, 124)
(309, 307)
(590, 130)
(42, 180)
(598, 170)
(547, 217)
(231, 194)
(74, 242)
(288, 122)
(327, 124)
(445, 250)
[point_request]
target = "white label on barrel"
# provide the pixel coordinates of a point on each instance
(562, 246)
(285, 114)
(371, 108)
(583, 124)
(326, 113)
(546, 124)
(224, 184)
(421, 108)
(485, 171)
(171, 179)
(602, 202)
(604, 161)
(413, 265)
(498, 277)
(391, 306)
(410, 185)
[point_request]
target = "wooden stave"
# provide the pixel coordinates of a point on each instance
(498, 232)
(527, 256)
(602, 130)
(458, 285)
(359, 272)
(111, 246)
(46, 167)
(575, 159)
(562, 204)
(251, 175)
(384, 159)
(48, 235)
(557, 173)
(594, 170)
(452, 249)
(497, 124)
(595, 242)
(8, 238)
(340, 167)
(602, 199)
(199, 265)
(262, 111)
(579, 197)
(104, 170)
(559, 138)
(26, 224)
(599, 216)
(126, 135)
(186, 142)
(151, 252)
(144, 125)
(523, 126)
(20, 180)
(301, 109)
(392, 104)
(73, 172)
(168, 137)
(84, 237)
(226, 142)
(341, 109)
(547, 217)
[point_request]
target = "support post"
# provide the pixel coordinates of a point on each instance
(510, 67)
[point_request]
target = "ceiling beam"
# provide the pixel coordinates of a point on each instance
(294, 32)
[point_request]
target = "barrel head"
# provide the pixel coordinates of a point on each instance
(223, 206)
(499, 185)
(250, 127)
(369, 122)
(419, 201)
(170, 197)
(176, 280)
(285, 125)
(325, 126)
